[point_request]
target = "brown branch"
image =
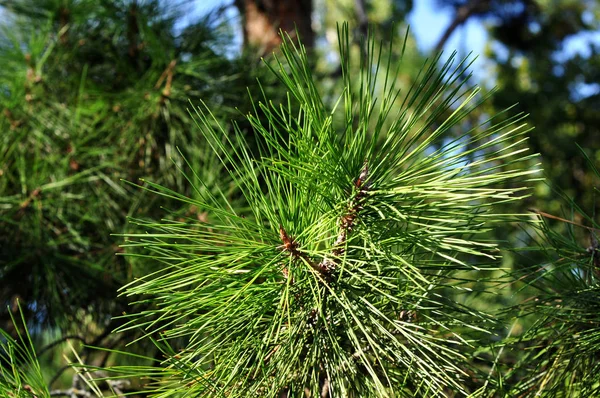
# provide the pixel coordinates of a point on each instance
(35, 193)
(25, 204)
(58, 374)
(270, 354)
(592, 249)
(291, 246)
(168, 71)
(348, 220)
(262, 20)
(363, 21)
(64, 19)
(71, 392)
(327, 266)
(325, 388)
(168, 75)
(133, 30)
(463, 13)
(60, 341)
(547, 215)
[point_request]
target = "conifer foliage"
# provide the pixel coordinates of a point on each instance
(337, 274)
(562, 352)
(320, 246)
(91, 92)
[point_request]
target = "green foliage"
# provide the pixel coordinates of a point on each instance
(20, 371)
(562, 346)
(546, 57)
(340, 237)
(331, 280)
(91, 93)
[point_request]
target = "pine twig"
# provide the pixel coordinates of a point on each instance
(348, 220)
(327, 266)
(71, 392)
(547, 215)
(291, 246)
(463, 13)
(59, 341)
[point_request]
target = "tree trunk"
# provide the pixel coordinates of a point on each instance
(263, 19)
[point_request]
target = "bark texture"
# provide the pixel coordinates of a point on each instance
(263, 19)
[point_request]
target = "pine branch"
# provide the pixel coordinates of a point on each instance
(327, 266)
(462, 14)
(60, 341)
(332, 278)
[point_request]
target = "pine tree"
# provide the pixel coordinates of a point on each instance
(560, 349)
(337, 275)
(91, 92)
(324, 246)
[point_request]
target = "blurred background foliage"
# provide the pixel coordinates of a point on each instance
(93, 92)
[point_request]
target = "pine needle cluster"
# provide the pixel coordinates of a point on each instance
(91, 92)
(331, 278)
(562, 346)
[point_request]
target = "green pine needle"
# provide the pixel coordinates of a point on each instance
(332, 277)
